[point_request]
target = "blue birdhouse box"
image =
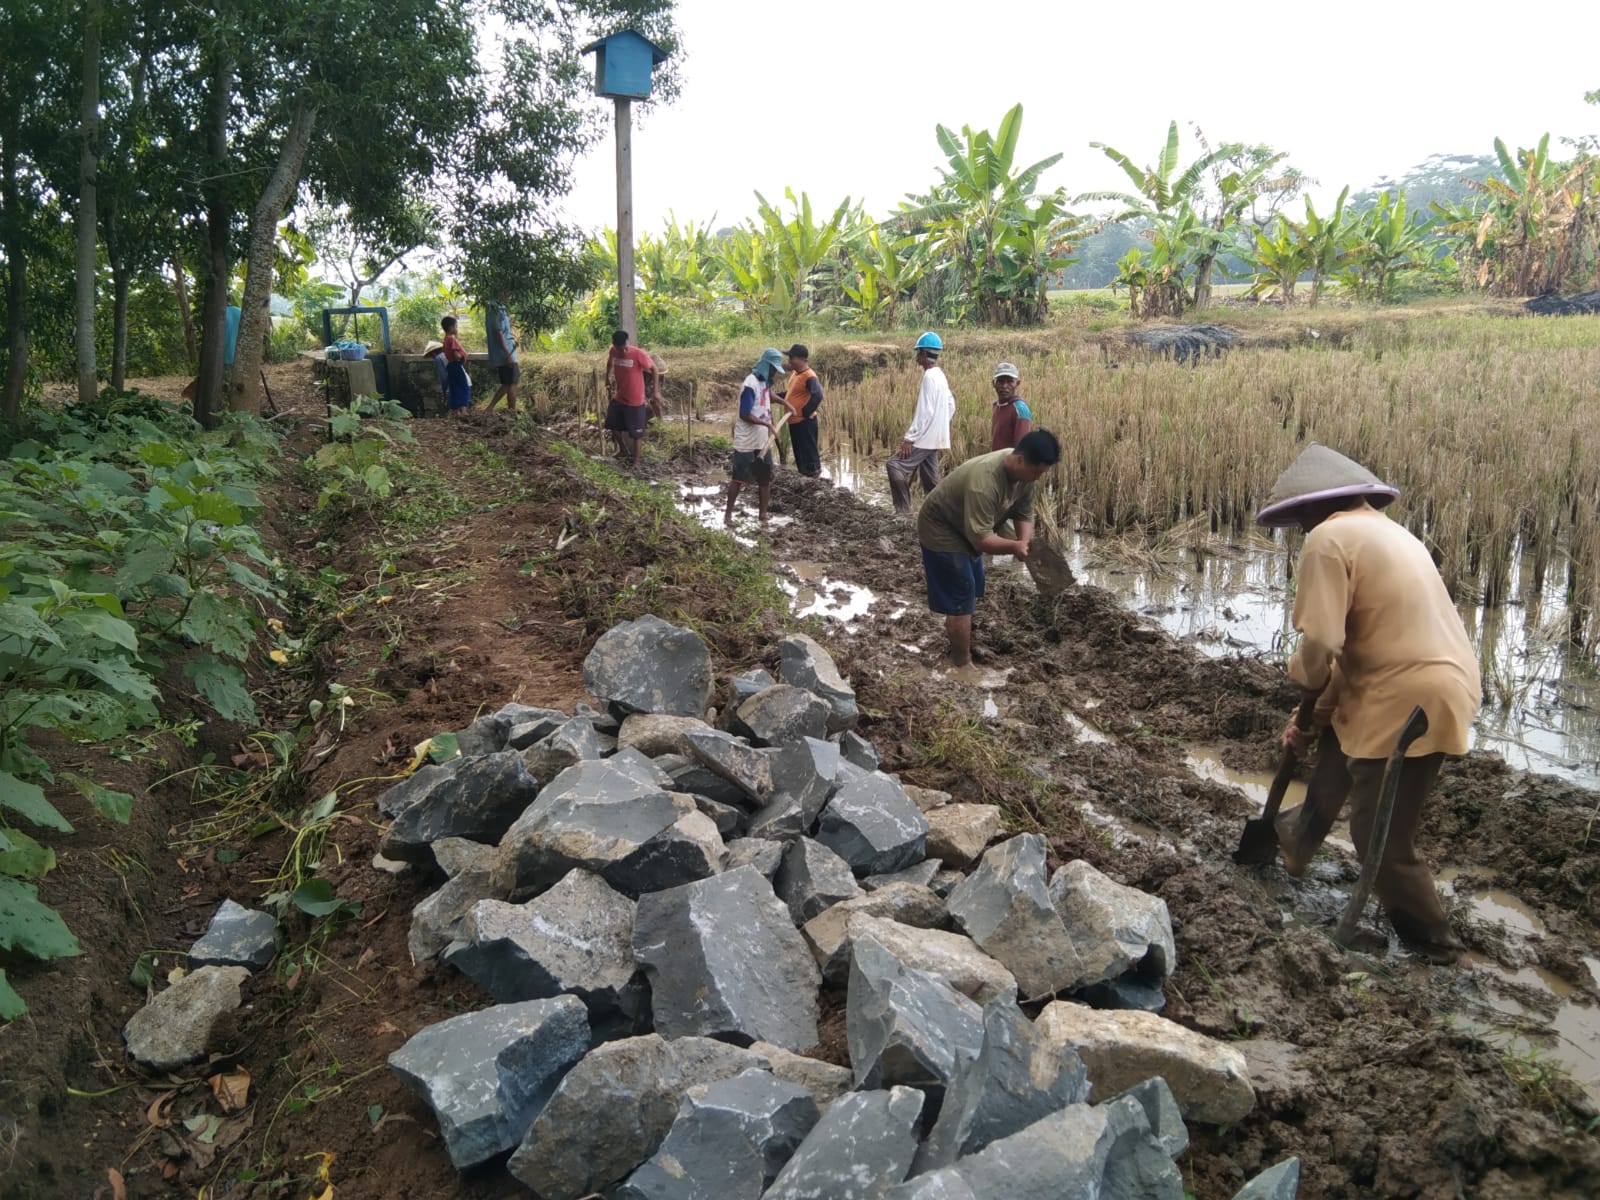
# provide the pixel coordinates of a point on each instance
(624, 64)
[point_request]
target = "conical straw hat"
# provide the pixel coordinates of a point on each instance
(1321, 474)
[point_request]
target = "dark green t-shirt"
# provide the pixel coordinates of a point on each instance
(974, 500)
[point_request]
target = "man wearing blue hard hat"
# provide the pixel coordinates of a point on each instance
(753, 432)
(929, 433)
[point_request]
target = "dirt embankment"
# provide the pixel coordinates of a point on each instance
(468, 603)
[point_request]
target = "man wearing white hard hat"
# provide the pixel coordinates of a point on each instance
(1379, 635)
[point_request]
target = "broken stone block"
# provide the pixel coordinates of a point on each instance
(944, 881)
(958, 833)
(575, 939)
(873, 826)
(606, 724)
(780, 821)
(486, 735)
(173, 1028)
(905, 1026)
(824, 1081)
(747, 769)
(1005, 907)
(859, 751)
(764, 855)
(922, 875)
(438, 920)
(940, 1185)
(1125, 991)
(656, 734)
(748, 683)
(731, 822)
(455, 855)
(236, 937)
(812, 879)
(1018, 1077)
(691, 777)
(860, 1149)
(953, 957)
(828, 933)
(724, 960)
(927, 799)
(569, 744)
(649, 666)
(1114, 928)
(455, 1067)
(728, 1142)
(1161, 1110)
(473, 798)
(612, 1109)
(805, 664)
(641, 767)
(804, 771)
(530, 725)
(1209, 1079)
(1281, 1182)
(781, 713)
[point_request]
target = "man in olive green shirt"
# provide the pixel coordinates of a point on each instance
(959, 524)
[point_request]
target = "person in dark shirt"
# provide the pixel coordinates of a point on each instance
(1012, 418)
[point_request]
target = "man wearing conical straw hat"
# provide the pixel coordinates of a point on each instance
(1378, 636)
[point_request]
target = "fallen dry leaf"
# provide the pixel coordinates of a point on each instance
(293, 981)
(367, 956)
(231, 1089)
(155, 1114)
(388, 1027)
(119, 1187)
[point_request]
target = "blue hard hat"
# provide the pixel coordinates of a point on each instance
(929, 341)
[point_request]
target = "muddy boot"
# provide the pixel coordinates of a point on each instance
(1433, 941)
(1296, 848)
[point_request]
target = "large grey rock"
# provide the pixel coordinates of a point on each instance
(649, 666)
(743, 766)
(487, 1074)
(236, 937)
(1081, 1151)
(486, 735)
(828, 934)
(1209, 1079)
(927, 799)
(922, 874)
(812, 879)
(475, 798)
(606, 723)
(531, 725)
(748, 683)
(1281, 1182)
(455, 855)
(860, 1149)
(906, 1026)
(958, 833)
(953, 957)
(873, 825)
(803, 771)
(1162, 1111)
(764, 855)
(600, 818)
(1125, 991)
(781, 820)
(725, 960)
(859, 751)
(643, 768)
(940, 1185)
(569, 744)
(438, 920)
(576, 938)
(824, 1081)
(731, 822)
(1018, 1078)
(728, 1142)
(689, 776)
(172, 1029)
(944, 881)
(1114, 928)
(1005, 907)
(782, 713)
(612, 1109)
(658, 733)
(805, 664)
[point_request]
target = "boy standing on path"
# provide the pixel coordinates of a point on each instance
(958, 525)
(458, 384)
(753, 433)
(803, 399)
(502, 353)
(630, 384)
(1012, 418)
(929, 432)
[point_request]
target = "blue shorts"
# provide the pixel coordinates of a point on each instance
(955, 581)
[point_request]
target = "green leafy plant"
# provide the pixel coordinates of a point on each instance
(353, 467)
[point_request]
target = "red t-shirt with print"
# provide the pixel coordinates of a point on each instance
(629, 365)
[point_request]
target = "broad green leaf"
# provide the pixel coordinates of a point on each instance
(27, 800)
(11, 1005)
(316, 898)
(29, 925)
(219, 623)
(442, 747)
(103, 625)
(23, 858)
(142, 566)
(161, 454)
(144, 970)
(113, 806)
(217, 508)
(17, 620)
(377, 480)
(223, 687)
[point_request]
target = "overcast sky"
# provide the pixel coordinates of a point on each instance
(840, 97)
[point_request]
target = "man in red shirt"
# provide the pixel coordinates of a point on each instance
(631, 385)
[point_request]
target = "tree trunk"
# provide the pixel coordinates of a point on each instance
(244, 385)
(119, 325)
(1202, 283)
(88, 136)
(181, 289)
(219, 217)
(11, 224)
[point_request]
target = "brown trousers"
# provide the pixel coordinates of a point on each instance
(923, 464)
(1404, 884)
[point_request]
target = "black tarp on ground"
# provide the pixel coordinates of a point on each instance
(1566, 306)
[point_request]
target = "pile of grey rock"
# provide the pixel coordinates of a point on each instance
(663, 898)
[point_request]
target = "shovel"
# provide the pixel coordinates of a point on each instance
(1258, 844)
(1051, 573)
(1416, 725)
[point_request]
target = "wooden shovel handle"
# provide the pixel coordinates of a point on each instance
(1303, 716)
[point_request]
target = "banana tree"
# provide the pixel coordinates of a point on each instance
(885, 270)
(1278, 259)
(1326, 241)
(1388, 241)
(799, 247)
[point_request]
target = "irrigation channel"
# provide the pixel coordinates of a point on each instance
(1224, 602)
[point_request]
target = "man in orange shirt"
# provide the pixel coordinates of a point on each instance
(631, 386)
(803, 399)
(1378, 636)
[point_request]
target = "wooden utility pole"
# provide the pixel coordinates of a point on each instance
(625, 309)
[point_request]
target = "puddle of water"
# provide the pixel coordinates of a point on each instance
(1207, 764)
(1082, 730)
(1122, 831)
(820, 595)
(990, 708)
(1492, 904)
(1570, 1038)
(860, 475)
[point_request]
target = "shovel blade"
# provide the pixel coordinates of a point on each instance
(1051, 573)
(1258, 844)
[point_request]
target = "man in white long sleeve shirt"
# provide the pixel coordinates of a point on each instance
(929, 432)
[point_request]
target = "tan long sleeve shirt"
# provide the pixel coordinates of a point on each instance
(1374, 616)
